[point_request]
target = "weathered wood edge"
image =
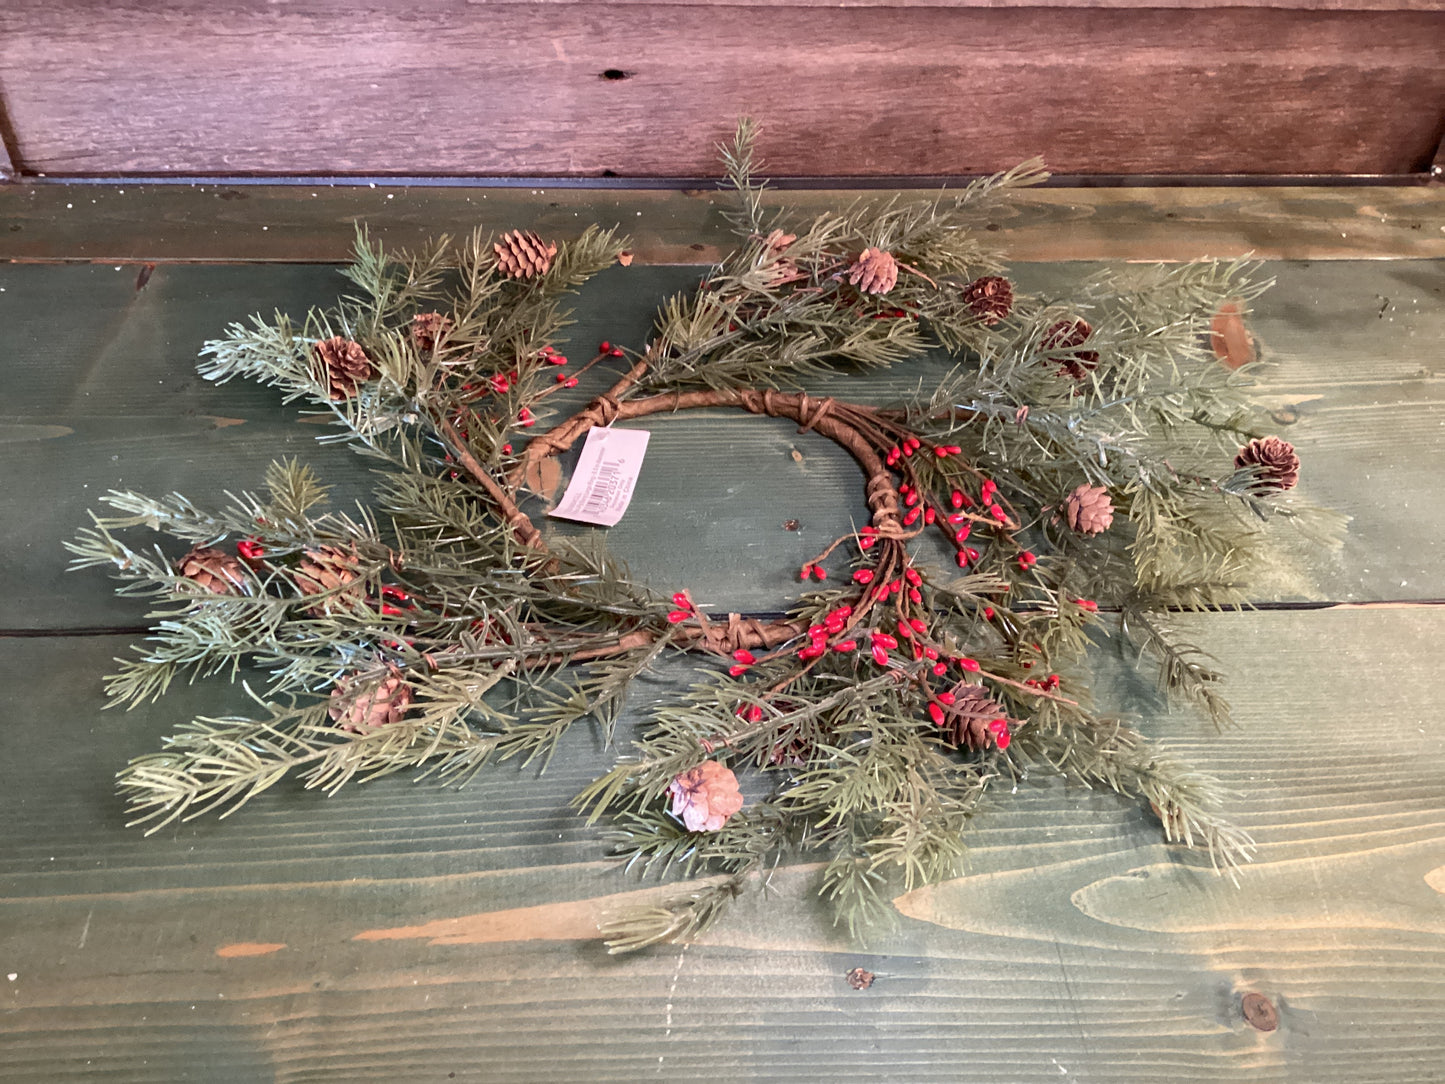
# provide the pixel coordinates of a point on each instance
(218, 223)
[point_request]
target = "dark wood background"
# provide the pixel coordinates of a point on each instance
(871, 88)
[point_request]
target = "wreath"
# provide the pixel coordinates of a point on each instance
(1087, 467)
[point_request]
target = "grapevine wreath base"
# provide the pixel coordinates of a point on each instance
(1081, 452)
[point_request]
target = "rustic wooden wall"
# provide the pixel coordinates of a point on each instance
(590, 88)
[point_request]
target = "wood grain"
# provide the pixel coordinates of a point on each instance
(107, 397)
(325, 88)
(164, 223)
(418, 932)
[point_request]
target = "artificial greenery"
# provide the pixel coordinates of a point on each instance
(439, 630)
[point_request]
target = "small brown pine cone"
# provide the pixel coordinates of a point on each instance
(1089, 510)
(874, 271)
(215, 571)
(427, 327)
(1069, 333)
(1276, 458)
(783, 271)
(991, 298)
(376, 705)
(705, 796)
(778, 240)
(521, 254)
(333, 572)
(975, 720)
(345, 365)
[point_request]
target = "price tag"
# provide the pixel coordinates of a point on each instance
(601, 486)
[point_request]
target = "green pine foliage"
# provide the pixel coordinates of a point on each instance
(436, 629)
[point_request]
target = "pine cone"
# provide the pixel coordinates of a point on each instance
(521, 254)
(427, 327)
(215, 571)
(705, 796)
(782, 272)
(874, 271)
(345, 364)
(975, 719)
(377, 705)
(991, 298)
(778, 240)
(1089, 510)
(1280, 465)
(1067, 333)
(334, 572)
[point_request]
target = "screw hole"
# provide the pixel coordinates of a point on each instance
(614, 74)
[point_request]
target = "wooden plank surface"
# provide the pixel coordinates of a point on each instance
(100, 392)
(323, 88)
(303, 223)
(409, 932)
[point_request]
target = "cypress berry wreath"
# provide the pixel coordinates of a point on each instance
(1078, 450)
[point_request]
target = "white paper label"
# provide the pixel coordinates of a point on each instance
(601, 486)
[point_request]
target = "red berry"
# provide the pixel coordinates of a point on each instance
(744, 656)
(945, 697)
(911, 575)
(604, 347)
(754, 713)
(845, 645)
(738, 670)
(971, 665)
(940, 669)
(904, 630)
(506, 449)
(879, 655)
(250, 549)
(863, 575)
(956, 499)
(915, 596)
(389, 610)
(819, 572)
(616, 352)
(928, 514)
(962, 558)
(919, 625)
(680, 600)
(940, 451)
(884, 639)
(931, 653)
(963, 532)
(805, 572)
(936, 714)
(677, 615)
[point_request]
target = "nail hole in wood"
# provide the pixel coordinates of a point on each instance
(614, 74)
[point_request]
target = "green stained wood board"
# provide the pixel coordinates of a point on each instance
(128, 222)
(99, 391)
(401, 931)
